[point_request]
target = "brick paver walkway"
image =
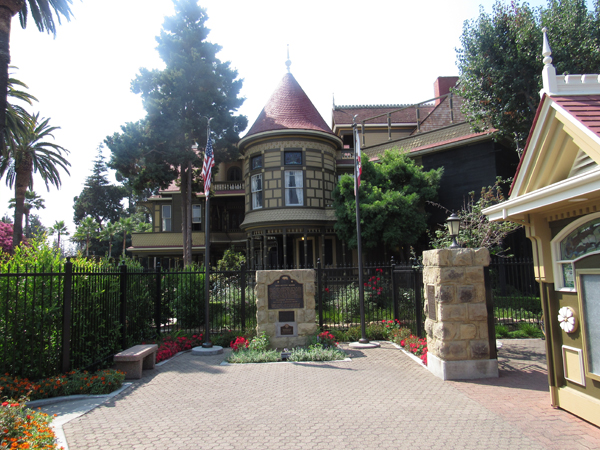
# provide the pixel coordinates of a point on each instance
(382, 399)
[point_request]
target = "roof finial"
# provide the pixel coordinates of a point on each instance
(546, 50)
(288, 63)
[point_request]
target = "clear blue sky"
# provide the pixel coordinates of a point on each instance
(363, 52)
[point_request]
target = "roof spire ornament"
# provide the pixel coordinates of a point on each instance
(546, 50)
(288, 63)
(549, 85)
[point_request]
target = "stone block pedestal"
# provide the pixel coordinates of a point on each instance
(458, 343)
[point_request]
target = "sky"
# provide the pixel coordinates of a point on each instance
(356, 52)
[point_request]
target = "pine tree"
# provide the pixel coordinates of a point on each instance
(179, 100)
(99, 199)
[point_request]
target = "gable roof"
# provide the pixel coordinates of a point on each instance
(561, 158)
(400, 114)
(289, 108)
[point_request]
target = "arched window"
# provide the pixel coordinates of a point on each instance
(578, 239)
(234, 174)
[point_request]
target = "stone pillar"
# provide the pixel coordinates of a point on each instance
(287, 321)
(458, 345)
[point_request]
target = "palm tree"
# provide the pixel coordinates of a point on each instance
(107, 234)
(43, 13)
(32, 201)
(60, 229)
(28, 153)
(126, 226)
(86, 231)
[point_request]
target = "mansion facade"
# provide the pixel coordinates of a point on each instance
(275, 202)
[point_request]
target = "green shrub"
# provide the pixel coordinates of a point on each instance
(316, 353)
(340, 335)
(376, 331)
(531, 330)
(518, 334)
(400, 334)
(253, 356)
(259, 343)
(502, 331)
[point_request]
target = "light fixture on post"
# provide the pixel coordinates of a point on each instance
(453, 223)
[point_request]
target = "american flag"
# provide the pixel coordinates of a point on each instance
(358, 163)
(209, 163)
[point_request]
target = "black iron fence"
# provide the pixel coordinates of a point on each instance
(515, 291)
(390, 292)
(63, 317)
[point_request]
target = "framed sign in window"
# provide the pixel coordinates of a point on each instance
(588, 286)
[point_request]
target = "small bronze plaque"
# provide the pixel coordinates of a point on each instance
(431, 309)
(285, 293)
(287, 330)
(287, 316)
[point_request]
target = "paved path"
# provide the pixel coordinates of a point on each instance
(382, 399)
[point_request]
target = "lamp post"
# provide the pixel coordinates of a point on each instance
(453, 223)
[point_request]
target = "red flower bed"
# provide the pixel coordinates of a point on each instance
(170, 346)
(417, 346)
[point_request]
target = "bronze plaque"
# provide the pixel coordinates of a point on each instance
(285, 293)
(431, 302)
(287, 316)
(287, 330)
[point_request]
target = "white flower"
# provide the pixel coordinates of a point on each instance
(566, 319)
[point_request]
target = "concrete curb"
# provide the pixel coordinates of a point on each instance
(66, 398)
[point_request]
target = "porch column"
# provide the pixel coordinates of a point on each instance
(285, 248)
(305, 250)
(260, 258)
(265, 249)
(322, 249)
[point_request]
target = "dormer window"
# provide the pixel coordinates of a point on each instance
(256, 162)
(292, 158)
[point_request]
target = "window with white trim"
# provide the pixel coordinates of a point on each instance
(257, 187)
(166, 217)
(578, 239)
(293, 188)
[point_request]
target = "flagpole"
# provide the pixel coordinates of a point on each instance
(207, 343)
(361, 287)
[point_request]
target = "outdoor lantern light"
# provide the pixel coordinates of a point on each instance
(453, 226)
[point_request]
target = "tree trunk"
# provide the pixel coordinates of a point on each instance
(23, 177)
(8, 8)
(109, 245)
(27, 230)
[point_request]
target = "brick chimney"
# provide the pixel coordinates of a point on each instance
(442, 86)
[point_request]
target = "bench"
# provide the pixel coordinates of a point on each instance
(134, 359)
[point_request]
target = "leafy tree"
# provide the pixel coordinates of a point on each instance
(392, 197)
(99, 198)
(32, 201)
(60, 229)
(36, 227)
(126, 226)
(108, 233)
(231, 260)
(85, 232)
(44, 13)
(194, 86)
(500, 60)
(6, 219)
(475, 229)
(28, 153)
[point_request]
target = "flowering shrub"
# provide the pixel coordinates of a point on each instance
(75, 382)
(327, 340)
(240, 343)
(24, 428)
(374, 283)
(417, 346)
(170, 346)
(260, 343)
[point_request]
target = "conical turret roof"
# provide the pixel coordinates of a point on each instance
(289, 108)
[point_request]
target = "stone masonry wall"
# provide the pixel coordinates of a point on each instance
(267, 318)
(457, 329)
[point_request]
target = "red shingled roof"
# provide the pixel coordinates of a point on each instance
(585, 108)
(289, 108)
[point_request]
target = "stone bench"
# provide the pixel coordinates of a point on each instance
(134, 359)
